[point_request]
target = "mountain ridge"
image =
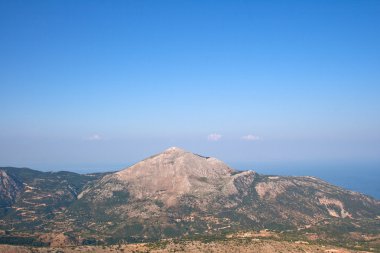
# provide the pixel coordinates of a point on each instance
(179, 194)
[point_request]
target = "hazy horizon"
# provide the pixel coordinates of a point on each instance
(95, 84)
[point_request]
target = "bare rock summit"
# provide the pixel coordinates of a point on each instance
(168, 176)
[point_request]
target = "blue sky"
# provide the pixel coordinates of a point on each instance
(103, 84)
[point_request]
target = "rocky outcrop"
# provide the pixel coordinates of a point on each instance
(10, 189)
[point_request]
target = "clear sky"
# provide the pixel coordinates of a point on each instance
(103, 84)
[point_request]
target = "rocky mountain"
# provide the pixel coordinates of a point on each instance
(10, 189)
(180, 193)
(177, 194)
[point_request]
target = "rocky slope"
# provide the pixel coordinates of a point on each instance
(34, 200)
(10, 189)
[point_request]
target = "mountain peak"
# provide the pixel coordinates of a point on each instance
(174, 149)
(175, 160)
(174, 172)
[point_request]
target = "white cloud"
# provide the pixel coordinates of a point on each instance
(94, 137)
(214, 137)
(251, 137)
